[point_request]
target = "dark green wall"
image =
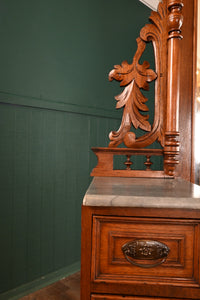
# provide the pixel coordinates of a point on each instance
(55, 103)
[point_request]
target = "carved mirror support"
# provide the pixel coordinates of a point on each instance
(171, 148)
(164, 32)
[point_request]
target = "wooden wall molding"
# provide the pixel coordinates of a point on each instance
(51, 104)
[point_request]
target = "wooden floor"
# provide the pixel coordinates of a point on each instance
(65, 289)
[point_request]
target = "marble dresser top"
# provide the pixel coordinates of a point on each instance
(142, 192)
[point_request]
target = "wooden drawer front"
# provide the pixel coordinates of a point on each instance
(114, 297)
(110, 264)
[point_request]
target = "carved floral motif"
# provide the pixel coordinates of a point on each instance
(133, 77)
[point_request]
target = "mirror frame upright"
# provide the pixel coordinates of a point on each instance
(195, 174)
(185, 169)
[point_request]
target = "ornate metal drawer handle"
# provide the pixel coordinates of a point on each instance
(145, 250)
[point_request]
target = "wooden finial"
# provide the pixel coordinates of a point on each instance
(175, 18)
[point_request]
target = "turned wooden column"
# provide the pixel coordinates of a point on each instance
(171, 148)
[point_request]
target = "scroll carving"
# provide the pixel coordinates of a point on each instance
(135, 77)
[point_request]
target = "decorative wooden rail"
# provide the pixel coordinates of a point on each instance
(105, 158)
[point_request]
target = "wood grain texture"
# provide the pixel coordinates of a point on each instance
(110, 263)
(111, 274)
(105, 164)
(106, 297)
(86, 254)
(195, 171)
(186, 92)
(171, 149)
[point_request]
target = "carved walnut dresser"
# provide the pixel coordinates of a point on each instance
(141, 228)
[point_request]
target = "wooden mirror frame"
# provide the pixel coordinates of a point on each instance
(186, 168)
(195, 170)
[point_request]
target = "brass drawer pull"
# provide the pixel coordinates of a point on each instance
(145, 250)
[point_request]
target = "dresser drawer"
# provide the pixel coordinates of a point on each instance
(145, 250)
(106, 297)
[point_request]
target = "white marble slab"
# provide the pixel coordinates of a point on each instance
(142, 192)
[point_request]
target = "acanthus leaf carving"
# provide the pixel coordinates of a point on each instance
(136, 76)
(141, 74)
(135, 102)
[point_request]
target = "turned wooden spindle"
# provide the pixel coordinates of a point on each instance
(171, 148)
(128, 162)
(148, 163)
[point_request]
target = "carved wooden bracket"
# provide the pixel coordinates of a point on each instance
(136, 77)
(164, 32)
